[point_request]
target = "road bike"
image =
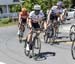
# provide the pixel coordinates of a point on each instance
(51, 33)
(36, 44)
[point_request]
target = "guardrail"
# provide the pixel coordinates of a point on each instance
(12, 15)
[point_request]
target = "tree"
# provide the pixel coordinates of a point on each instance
(73, 3)
(45, 4)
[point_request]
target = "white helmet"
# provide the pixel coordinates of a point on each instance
(37, 7)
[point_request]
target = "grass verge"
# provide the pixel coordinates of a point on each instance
(7, 22)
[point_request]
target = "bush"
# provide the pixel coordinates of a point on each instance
(5, 20)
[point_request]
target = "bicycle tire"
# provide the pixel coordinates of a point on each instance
(20, 38)
(36, 47)
(25, 51)
(73, 50)
(45, 38)
(71, 32)
(49, 34)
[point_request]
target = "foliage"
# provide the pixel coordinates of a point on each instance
(45, 4)
(5, 20)
(15, 8)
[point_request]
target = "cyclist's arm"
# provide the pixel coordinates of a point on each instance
(27, 18)
(29, 22)
(30, 19)
(20, 18)
(48, 17)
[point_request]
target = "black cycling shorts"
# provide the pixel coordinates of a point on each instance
(35, 25)
(53, 17)
(23, 21)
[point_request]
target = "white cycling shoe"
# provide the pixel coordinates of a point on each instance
(27, 47)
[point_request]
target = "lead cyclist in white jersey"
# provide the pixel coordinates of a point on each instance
(35, 17)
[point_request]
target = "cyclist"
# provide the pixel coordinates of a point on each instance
(35, 17)
(23, 15)
(55, 13)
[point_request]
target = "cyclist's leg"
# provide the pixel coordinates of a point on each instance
(56, 24)
(62, 17)
(29, 40)
(22, 27)
(45, 25)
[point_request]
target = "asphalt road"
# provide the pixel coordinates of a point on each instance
(12, 52)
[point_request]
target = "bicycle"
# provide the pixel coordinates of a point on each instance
(72, 38)
(36, 45)
(21, 29)
(51, 33)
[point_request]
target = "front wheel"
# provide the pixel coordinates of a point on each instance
(20, 36)
(26, 51)
(36, 46)
(72, 32)
(73, 49)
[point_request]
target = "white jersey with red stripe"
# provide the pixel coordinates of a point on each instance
(36, 18)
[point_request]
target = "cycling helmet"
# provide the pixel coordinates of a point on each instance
(60, 3)
(37, 7)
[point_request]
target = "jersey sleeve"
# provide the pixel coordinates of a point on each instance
(42, 15)
(31, 14)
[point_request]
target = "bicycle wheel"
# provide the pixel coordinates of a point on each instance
(20, 38)
(36, 46)
(25, 51)
(49, 34)
(46, 38)
(72, 31)
(73, 49)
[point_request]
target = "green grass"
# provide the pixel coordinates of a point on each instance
(9, 24)
(6, 22)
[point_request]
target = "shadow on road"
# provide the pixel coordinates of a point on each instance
(67, 23)
(44, 55)
(59, 40)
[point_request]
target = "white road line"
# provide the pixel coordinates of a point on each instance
(2, 63)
